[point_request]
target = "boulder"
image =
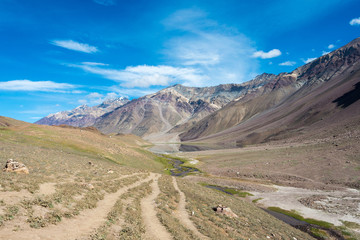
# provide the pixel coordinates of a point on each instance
(14, 166)
(224, 210)
(88, 186)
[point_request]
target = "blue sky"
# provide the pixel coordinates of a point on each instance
(56, 55)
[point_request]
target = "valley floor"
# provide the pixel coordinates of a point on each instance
(86, 185)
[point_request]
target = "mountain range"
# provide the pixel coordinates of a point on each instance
(322, 92)
(82, 116)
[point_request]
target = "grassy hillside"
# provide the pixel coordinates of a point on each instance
(86, 185)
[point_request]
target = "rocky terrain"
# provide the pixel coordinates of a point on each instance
(172, 107)
(324, 89)
(82, 116)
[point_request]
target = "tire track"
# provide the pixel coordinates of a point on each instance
(182, 214)
(75, 228)
(154, 229)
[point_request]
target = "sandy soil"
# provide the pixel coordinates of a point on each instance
(47, 188)
(15, 197)
(289, 198)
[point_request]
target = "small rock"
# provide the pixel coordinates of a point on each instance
(224, 210)
(110, 171)
(89, 186)
(13, 166)
(268, 237)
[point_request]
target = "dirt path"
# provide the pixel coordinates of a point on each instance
(47, 188)
(77, 227)
(182, 214)
(154, 229)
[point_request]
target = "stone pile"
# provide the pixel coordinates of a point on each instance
(224, 210)
(14, 166)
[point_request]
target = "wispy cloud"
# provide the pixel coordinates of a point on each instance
(40, 110)
(265, 55)
(219, 53)
(76, 46)
(106, 2)
(331, 46)
(42, 86)
(133, 92)
(325, 52)
(145, 76)
(308, 60)
(355, 21)
(94, 64)
(287, 63)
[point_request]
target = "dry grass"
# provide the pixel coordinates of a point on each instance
(124, 220)
(74, 160)
(295, 164)
(167, 203)
(252, 223)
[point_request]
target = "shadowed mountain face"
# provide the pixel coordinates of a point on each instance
(349, 98)
(325, 89)
(82, 116)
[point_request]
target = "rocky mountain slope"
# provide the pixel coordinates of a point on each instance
(176, 105)
(198, 113)
(312, 95)
(82, 116)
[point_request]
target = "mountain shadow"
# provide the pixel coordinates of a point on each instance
(349, 98)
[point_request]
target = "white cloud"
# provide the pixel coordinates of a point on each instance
(105, 2)
(35, 118)
(77, 91)
(145, 76)
(287, 63)
(111, 95)
(133, 92)
(203, 53)
(331, 46)
(27, 85)
(308, 60)
(94, 95)
(355, 21)
(82, 101)
(94, 64)
(219, 53)
(76, 46)
(265, 55)
(189, 20)
(325, 52)
(93, 98)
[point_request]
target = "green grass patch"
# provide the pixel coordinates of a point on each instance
(227, 190)
(318, 233)
(352, 225)
(256, 200)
